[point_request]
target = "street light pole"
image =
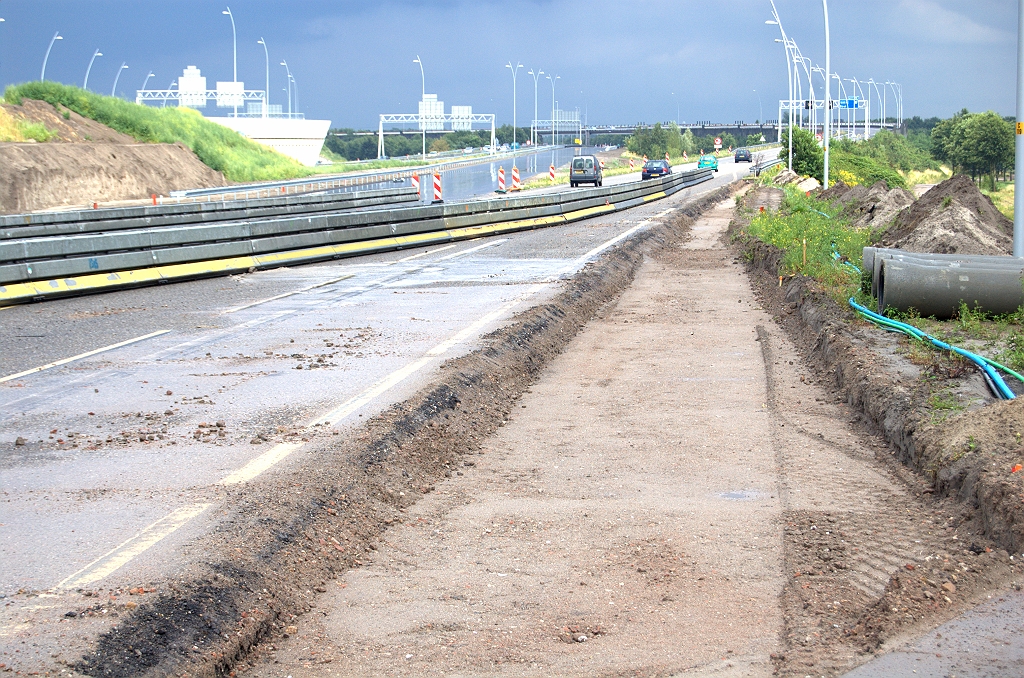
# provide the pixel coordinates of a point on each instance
(789, 71)
(760, 109)
(533, 132)
(828, 91)
(234, 49)
(295, 92)
(85, 85)
(1, 20)
(146, 81)
(554, 135)
(514, 69)
(423, 103)
(117, 77)
(266, 97)
(288, 70)
(56, 36)
(1018, 165)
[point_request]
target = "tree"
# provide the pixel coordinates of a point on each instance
(689, 142)
(650, 142)
(808, 156)
(989, 145)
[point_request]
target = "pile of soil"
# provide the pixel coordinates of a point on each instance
(71, 129)
(874, 207)
(954, 217)
(89, 162)
(785, 177)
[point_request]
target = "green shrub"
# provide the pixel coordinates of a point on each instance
(215, 145)
(865, 170)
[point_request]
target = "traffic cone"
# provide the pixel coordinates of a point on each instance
(501, 180)
(416, 183)
(602, 163)
(437, 187)
(516, 185)
(551, 173)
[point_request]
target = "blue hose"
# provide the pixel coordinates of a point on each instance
(984, 364)
(836, 256)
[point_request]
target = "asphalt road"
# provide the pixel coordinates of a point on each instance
(112, 461)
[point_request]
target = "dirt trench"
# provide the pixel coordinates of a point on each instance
(285, 539)
(944, 544)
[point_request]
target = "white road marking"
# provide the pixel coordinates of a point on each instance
(260, 464)
(80, 356)
(288, 294)
(117, 557)
(422, 254)
(460, 253)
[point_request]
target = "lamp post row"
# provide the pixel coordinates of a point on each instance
(234, 44)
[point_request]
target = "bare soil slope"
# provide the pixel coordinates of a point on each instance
(89, 162)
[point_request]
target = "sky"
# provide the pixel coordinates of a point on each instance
(618, 62)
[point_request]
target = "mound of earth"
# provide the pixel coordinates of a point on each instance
(834, 192)
(89, 162)
(71, 129)
(877, 206)
(785, 177)
(953, 217)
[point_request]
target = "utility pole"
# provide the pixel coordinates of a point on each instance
(1018, 166)
(533, 131)
(828, 90)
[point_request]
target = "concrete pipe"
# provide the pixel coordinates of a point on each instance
(936, 290)
(873, 257)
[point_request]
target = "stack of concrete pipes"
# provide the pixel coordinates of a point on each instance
(935, 285)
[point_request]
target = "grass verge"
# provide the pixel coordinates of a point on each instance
(216, 146)
(13, 129)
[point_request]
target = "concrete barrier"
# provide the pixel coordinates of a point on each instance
(38, 267)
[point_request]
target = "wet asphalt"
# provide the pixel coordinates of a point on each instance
(97, 451)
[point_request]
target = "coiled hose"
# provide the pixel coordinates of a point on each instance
(988, 367)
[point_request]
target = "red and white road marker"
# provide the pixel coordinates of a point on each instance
(516, 185)
(437, 187)
(501, 179)
(551, 173)
(416, 183)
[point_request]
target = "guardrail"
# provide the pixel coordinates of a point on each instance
(334, 181)
(32, 268)
(19, 226)
(762, 166)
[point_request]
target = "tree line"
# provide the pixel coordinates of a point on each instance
(410, 142)
(658, 140)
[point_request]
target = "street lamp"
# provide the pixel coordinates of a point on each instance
(760, 108)
(423, 103)
(828, 91)
(266, 97)
(553, 133)
(288, 70)
(514, 69)
(234, 50)
(146, 81)
(117, 77)
(295, 92)
(1, 20)
(857, 87)
(56, 36)
(85, 85)
(536, 76)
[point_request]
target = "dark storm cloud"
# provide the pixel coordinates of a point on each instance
(618, 61)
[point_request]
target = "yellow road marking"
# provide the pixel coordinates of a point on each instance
(260, 464)
(16, 292)
(117, 557)
(65, 361)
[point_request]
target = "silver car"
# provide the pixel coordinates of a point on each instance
(585, 169)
